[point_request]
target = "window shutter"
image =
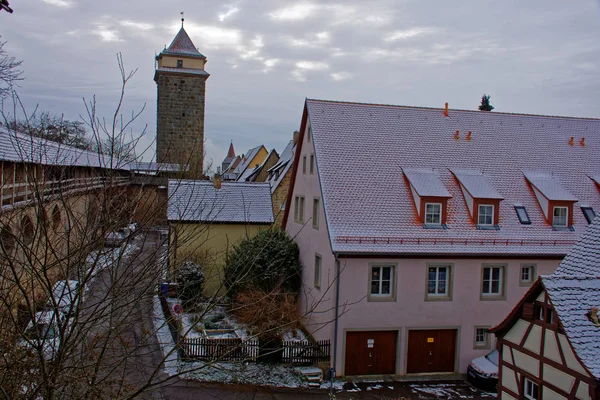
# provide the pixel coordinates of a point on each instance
(528, 311)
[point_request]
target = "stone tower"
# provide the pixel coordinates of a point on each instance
(181, 83)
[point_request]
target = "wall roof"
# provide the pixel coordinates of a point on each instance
(362, 149)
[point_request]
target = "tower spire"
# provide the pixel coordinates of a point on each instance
(182, 19)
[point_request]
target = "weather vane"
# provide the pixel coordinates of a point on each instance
(181, 19)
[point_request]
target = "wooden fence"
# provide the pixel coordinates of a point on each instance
(292, 352)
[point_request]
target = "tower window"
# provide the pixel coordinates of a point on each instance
(179, 63)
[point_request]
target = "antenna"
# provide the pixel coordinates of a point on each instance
(182, 19)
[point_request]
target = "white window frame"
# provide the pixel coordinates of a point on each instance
(531, 268)
(528, 386)
(485, 344)
(315, 217)
(479, 214)
(318, 270)
(299, 209)
(554, 216)
(490, 281)
(378, 295)
(437, 280)
(426, 213)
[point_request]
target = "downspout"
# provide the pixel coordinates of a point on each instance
(332, 371)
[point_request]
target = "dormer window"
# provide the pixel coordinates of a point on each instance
(433, 213)
(560, 217)
(485, 215)
(179, 63)
(555, 201)
(522, 215)
(430, 197)
(588, 213)
(482, 199)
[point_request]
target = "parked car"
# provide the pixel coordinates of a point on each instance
(65, 294)
(43, 333)
(113, 239)
(483, 371)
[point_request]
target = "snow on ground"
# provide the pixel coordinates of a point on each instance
(294, 335)
(337, 385)
(165, 339)
(441, 390)
(276, 375)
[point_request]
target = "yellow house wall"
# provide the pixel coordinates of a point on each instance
(170, 61)
(208, 244)
(259, 158)
(264, 173)
(279, 197)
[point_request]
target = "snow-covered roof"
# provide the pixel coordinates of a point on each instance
(584, 257)
(549, 186)
(182, 45)
(17, 147)
(361, 150)
(478, 186)
(234, 202)
(241, 168)
(426, 182)
(572, 298)
(596, 178)
(277, 172)
(183, 71)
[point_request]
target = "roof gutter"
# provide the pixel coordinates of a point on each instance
(332, 371)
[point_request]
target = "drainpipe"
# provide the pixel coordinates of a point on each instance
(332, 372)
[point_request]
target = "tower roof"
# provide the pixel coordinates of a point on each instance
(182, 45)
(231, 152)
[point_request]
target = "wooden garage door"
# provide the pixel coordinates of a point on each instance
(431, 351)
(371, 353)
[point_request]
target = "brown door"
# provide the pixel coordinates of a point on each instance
(431, 351)
(371, 353)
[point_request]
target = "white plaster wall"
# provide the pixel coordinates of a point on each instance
(517, 332)
(557, 378)
(509, 380)
(548, 393)
(468, 199)
(417, 200)
(526, 363)
(551, 347)
(541, 200)
(534, 339)
(583, 391)
(572, 361)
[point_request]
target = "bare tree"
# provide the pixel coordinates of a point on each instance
(67, 215)
(9, 71)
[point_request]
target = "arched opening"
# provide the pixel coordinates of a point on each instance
(42, 217)
(56, 218)
(27, 229)
(7, 242)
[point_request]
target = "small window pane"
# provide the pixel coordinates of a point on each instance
(375, 287)
(522, 215)
(433, 213)
(387, 271)
(385, 287)
(560, 216)
(589, 214)
(486, 215)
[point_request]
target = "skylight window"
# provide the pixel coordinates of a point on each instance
(589, 214)
(522, 215)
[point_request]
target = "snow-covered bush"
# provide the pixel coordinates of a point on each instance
(267, 261)
(190, 281)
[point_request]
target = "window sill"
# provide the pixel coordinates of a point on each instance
(563, 228)
(492, 297)
(381, 299)
(481, 347)
(433, 298)
(435, 226)
(488, 227)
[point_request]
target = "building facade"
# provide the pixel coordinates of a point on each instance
(181, 86)
(419, 229)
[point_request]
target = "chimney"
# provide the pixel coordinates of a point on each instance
(295, 136)
(217, 181)
(468, 136)
(582, 143)
(446, 110)
(457, 135)
(571, 141)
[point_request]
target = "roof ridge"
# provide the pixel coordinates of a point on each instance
(451, 109)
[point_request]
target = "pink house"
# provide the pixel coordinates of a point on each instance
(436, 221)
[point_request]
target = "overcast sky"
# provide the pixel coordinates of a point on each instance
(265, 57)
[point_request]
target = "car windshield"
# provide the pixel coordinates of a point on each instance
(493, 357)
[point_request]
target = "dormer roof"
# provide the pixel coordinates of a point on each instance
(549, 187)
(426, 182)
(182, 45)
(477, 184)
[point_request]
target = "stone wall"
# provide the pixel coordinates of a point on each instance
(180, 120)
